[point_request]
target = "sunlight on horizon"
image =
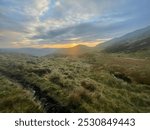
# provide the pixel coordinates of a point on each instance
(63, 45)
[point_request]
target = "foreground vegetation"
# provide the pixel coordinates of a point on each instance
(94, 82)
(15, 99)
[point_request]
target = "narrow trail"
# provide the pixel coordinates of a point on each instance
(49, 104)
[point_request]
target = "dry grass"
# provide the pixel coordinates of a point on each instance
(96, 82)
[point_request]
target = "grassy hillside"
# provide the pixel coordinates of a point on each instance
(94, 82)
(138, 40)
(139, 45)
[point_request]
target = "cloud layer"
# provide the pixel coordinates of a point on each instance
(36, 23)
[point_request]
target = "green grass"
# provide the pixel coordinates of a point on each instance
(13, 98)
(96, 82)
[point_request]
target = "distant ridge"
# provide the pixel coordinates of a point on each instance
(76, 50)
(131, 42)
(31, 51)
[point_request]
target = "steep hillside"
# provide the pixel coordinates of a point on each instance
(134, 41)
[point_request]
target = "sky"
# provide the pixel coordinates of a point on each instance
(66, 23)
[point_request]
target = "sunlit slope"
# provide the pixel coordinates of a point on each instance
(74, 51)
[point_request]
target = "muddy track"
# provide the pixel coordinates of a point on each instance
(49, 104)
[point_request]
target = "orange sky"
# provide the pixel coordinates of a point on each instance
(27, 44)
(68, 45)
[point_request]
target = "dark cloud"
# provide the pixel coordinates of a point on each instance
(84, 31)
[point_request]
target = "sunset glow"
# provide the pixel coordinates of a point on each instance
(67, 23)
(67, 45)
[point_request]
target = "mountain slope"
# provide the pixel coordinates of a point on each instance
(135, 41)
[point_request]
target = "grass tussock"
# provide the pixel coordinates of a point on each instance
(15, 99)
(96, 82)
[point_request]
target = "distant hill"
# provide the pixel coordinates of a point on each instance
(138, 40)
(134, 41)
(31, 51)
(77, 50)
